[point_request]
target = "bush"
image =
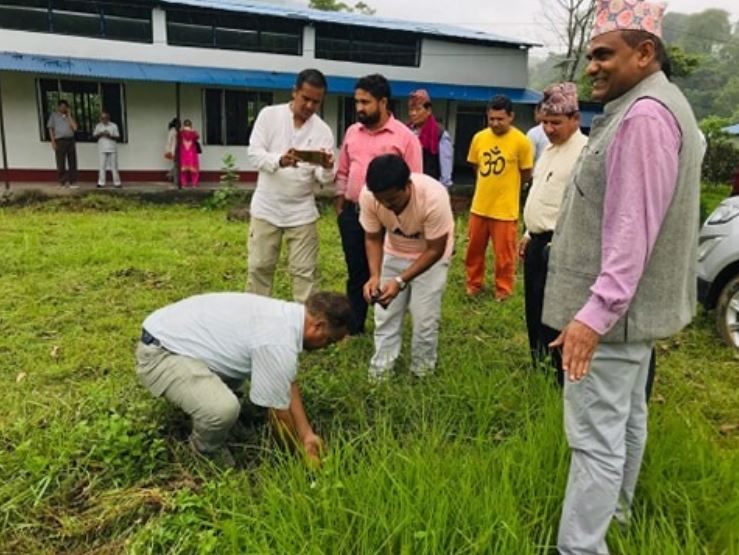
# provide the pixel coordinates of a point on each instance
(225, 195)
(721, 161)
(722, 157)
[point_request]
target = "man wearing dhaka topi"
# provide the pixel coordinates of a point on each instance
(622, 270)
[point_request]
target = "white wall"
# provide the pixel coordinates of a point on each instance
(472, 64)
(441, 61)
(149, 108)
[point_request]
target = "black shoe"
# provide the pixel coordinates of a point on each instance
(100, 186)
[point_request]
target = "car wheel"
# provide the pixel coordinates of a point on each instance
(727, 312)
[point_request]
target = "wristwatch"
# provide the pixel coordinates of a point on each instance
(401, 284)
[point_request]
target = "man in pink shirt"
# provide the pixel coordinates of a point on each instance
(376, 132)
(622, 266)
(413, 211)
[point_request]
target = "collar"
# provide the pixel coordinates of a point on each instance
(389, 127)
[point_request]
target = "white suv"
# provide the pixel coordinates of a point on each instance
(718, 268)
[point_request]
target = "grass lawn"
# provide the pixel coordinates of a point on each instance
(472, 460)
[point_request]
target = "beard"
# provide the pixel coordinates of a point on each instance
(368, 119)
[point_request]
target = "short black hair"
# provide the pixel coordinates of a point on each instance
(312, 77)
(334, 308)
(375, 84)
(634, 37)
(500, 102)
(388, 171)
(63, 102)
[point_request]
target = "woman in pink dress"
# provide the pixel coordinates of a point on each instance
(189, 158)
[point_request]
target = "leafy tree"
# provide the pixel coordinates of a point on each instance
(705, 68)
(337, 6)
(705, 32)
(683, 64)
(672, 27)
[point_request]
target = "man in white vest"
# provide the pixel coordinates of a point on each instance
(622, 264)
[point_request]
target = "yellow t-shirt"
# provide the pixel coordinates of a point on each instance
(499, 162)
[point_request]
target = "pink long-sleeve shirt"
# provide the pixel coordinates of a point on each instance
(362, 145)
(641, 176)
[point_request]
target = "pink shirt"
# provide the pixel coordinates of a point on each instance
(361, 146)
(641, 176)
(427, 216)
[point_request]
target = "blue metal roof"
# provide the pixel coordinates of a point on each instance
(168, 73)
(731, 129)
(345, 18)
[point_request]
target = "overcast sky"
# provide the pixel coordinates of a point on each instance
(515, 18)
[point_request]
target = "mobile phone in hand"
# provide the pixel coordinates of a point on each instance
(317, 157)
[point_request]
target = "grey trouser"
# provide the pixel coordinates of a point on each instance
(66, 153)
(189, 384)
(108, 161)
(422, 297)
(605, 417)
(265, 241)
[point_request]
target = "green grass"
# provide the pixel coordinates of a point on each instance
(472, 460)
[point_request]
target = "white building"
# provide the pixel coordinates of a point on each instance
(217, 62)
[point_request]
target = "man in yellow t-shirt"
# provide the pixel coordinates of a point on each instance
(503, 158)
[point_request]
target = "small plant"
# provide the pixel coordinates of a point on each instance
(224, 195)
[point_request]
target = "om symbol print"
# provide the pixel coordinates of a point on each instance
(493, 162)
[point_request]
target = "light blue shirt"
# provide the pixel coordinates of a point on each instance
(238, 335)
(539, 139)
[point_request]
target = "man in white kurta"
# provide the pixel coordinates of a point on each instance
(107, 135)
(284, 203)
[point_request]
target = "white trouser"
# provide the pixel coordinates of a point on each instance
(108, 161)
(422, 297)
(605, 418)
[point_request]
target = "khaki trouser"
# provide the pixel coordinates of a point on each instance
(265, 242)
(189, 384)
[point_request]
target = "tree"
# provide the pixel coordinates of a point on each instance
(705, 32)
(682, 64)
(571, 21)
(337, 6)
(705, 57)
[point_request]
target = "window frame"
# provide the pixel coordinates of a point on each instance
(97, 11)
(349, 36)
(43, 114)
(230, 23)
(260, 103)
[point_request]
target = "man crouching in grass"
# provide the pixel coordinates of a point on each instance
(198, 352)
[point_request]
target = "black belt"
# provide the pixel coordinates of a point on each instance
(546, 236)
(149, 339)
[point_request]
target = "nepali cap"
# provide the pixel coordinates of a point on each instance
(621, 15)
(419, 97)
(560, 99)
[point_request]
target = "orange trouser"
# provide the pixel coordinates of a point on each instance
(503, 235)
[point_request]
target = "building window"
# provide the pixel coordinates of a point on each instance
(234, 31)
(86, 100)
(366, 45)
(130, 21)
(230, 115)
